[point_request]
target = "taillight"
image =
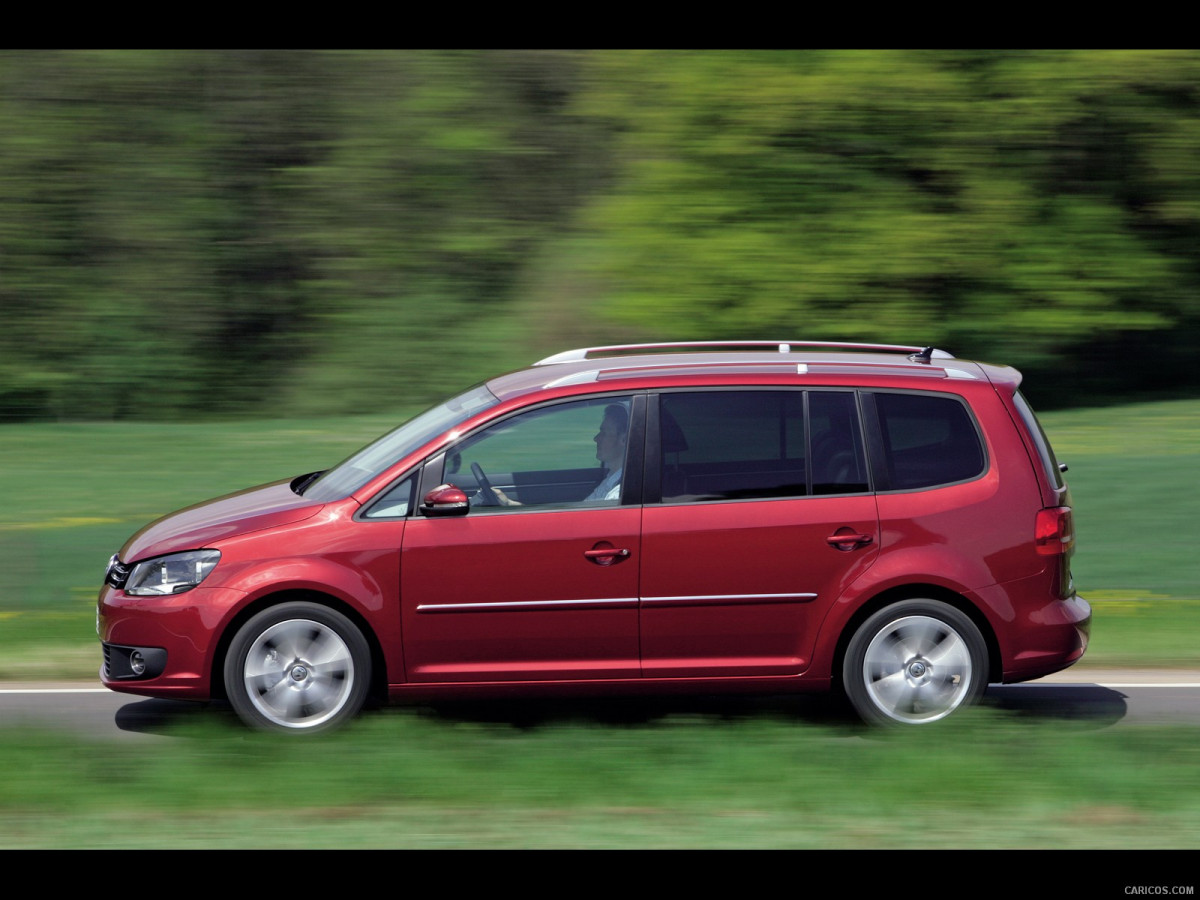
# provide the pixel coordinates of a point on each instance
(1054, 532)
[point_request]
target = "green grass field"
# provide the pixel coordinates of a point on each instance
(679, 774)
(419, 779)
(75, 492)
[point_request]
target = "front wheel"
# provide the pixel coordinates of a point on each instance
(914, 662)
(297, 667)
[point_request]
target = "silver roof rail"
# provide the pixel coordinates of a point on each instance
(584, 353)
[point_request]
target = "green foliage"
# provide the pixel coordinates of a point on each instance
(1010, 205)
(220, 232)
(202, 231)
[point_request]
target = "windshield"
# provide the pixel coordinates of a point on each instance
(348, 476)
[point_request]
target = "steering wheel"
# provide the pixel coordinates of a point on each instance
(487, 497)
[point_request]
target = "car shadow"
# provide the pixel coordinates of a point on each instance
(1090, 705)
(155, 716)
(530, 713)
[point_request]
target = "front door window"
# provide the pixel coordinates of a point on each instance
(567, 454)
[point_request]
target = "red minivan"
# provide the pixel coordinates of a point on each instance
(731, 516)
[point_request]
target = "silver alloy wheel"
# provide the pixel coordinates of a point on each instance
(917, 669)
(299, 673)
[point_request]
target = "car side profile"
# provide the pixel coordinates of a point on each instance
(888, 521)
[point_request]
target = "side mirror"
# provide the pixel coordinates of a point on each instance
(445, 500)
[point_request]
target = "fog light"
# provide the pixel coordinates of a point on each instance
(137, 663)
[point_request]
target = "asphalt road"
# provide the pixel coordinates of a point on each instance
(1103, 698)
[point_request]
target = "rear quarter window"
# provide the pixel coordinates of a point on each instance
(928, 440)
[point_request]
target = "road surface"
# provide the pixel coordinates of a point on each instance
(1105, 698)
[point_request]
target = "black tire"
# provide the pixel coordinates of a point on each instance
(914, 662)
(297, 667)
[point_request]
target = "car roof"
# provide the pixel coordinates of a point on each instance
(586, 365)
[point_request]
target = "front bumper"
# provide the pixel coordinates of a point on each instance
(176, 637)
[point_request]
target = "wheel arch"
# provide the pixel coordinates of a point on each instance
(918, 592)
(377, 691)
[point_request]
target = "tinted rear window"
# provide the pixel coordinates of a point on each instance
(1045, 451)
(927, 440)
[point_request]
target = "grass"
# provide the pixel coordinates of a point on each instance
(1133, 481)
(75, 492)
(428, 779)
(686, 774)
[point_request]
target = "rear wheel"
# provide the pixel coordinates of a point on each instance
(297, 667)
(914, 662)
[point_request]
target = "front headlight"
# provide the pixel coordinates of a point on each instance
(172, 574)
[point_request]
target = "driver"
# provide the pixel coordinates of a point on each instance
(610, 450)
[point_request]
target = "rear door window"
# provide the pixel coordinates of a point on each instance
(754, 444)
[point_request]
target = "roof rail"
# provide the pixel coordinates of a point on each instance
(583, 353)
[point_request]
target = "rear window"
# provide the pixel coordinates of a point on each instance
(927, 440)
(1045, 451)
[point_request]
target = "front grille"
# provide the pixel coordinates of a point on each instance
(117, 573)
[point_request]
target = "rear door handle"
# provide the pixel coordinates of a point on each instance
(612, 553)
(605, 554)
(849, 540)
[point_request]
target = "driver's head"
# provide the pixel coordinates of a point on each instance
(610, 439)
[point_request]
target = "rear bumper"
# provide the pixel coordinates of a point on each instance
(1056, 637)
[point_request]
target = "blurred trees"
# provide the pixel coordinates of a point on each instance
(218, 232)
(210, 231)
(148, 260)
(1034, 208)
